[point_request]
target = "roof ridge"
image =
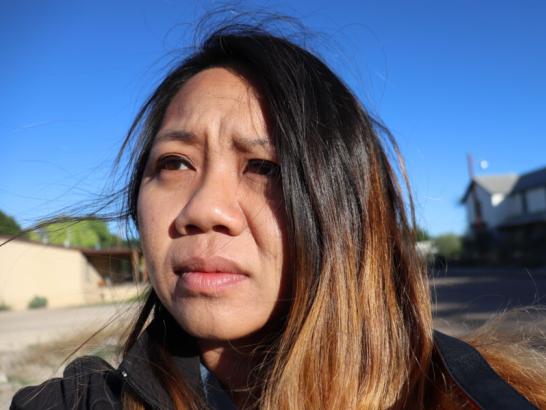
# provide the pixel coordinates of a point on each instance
(536, 171)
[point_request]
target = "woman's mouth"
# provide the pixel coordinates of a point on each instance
(210, 282)
(210, 275)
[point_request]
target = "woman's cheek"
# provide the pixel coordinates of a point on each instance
(154, 243)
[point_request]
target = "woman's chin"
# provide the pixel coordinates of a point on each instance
(215, 323)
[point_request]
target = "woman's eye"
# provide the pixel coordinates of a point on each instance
(172, 163)
(263, 167)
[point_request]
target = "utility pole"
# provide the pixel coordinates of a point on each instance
(478, 223)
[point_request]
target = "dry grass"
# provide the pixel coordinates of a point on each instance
(46, 360)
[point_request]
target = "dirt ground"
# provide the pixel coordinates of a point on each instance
(34, 343)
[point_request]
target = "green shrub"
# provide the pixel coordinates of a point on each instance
(37, 302)
(4, 306)
(449, 246)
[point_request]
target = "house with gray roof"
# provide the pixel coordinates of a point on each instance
(506, 202)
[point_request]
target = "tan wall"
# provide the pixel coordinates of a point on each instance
(61, 275)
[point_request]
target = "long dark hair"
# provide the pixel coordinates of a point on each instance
(358, 333)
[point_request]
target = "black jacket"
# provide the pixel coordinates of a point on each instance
(91, 383)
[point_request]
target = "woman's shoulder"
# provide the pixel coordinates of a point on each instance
(88, 382)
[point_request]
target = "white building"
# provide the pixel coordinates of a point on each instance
(506, 217)
(506, 202)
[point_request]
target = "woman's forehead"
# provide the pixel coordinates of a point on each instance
(215, 90)
(219, 102)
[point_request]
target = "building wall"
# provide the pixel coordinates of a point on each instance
(488, 210)
(114, 269)
(63, 276)
(514, 205)
(469, 207)
(536, 200)
(496, 208)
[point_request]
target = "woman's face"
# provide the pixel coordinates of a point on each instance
(210, 210)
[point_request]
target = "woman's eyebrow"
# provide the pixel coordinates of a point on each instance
(247, 144)
(175, 135)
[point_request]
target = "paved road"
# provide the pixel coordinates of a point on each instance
(466, 298)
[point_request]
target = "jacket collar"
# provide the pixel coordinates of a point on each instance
(137, 367)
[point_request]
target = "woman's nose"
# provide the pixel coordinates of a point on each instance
(212, 205)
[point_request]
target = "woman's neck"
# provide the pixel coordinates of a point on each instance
(231, 364)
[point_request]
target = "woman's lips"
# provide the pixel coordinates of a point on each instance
(210, 282)
(210, 275)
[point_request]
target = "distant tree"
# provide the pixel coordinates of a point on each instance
(105, 237)
(131, 242)
(87, 233)
(421, 234)
(449, 245)
(8, 225)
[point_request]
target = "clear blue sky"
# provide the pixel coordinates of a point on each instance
(447, 77)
